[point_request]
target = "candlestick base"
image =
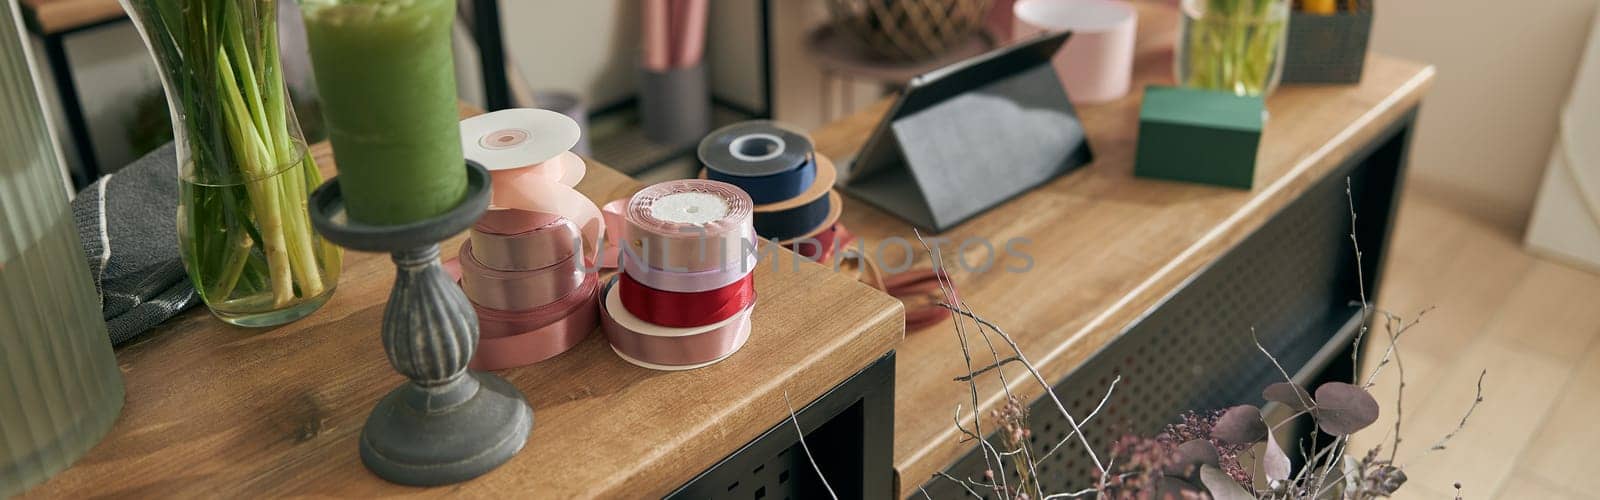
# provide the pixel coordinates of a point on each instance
(406, 443)
(445, 425)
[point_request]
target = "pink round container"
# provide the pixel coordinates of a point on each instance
(1097, 63)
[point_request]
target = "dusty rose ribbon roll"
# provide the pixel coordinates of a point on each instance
(686, 309)
(662, 348)
(519, 240)
(510, 339)
(517, 290)
(690, 225)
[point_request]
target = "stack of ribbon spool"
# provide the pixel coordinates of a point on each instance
(796, 205)
(790, 184)
(686, 291)
(527, 265)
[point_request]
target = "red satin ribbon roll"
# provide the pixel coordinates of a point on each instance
(827, 241)
(686, 309)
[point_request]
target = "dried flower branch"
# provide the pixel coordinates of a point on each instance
(1463, 423)
(1205, 454)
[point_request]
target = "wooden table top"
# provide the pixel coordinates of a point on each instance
(1106, 246)
(50, 16)
(220, 411)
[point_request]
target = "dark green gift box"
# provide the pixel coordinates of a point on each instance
(1198, 136)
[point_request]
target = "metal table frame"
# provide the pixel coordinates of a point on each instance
(849, 431)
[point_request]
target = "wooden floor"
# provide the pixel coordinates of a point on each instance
(1532, 323)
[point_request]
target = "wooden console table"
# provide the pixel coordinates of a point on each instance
(219, 411)
(1159, 282)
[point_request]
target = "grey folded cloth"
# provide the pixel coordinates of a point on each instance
(128, 224)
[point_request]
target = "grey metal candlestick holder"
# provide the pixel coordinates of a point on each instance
(447, 424)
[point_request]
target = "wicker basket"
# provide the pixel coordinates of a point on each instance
(1328, 48)
(909, 30)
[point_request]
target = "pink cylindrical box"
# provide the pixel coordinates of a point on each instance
(1097, 63)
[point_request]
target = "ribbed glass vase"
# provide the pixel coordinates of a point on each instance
(1232, 45)
(60, 389)
(244, 232)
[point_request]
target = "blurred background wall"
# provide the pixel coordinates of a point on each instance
(1505, 68)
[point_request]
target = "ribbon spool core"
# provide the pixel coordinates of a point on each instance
(689, 208)
(757, 147)
(504, 139)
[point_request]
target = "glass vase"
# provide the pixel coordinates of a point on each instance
(1232, 45)
(245, 235)
(60, 389)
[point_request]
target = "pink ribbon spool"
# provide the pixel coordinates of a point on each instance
(1096, 65)
(690, 225)
(688, 282)
(670, 349)
(526, 153)
(519, 240)
(517, 290)
(511, 339)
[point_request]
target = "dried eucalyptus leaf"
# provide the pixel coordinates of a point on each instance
(1275, 462)
(1286, 393)
(1240, 425)
(1342, 409)
(1198, 452)
(1172, 487)
(1221, 486)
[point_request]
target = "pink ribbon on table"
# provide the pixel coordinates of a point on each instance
(612, 213)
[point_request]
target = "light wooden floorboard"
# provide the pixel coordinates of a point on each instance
(1530, 484)
(1533, 324)
(1563, 451)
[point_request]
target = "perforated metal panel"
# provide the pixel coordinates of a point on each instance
(1293, 280)
(849, 431)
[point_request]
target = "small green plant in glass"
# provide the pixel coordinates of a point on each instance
(246, 236)
(1232, 45)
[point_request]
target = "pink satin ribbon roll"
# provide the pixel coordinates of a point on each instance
(662, 348)
(527, 154)
(519, 240)
(688, 282)
(509, 339)
(690, 225)
(517, 290)
(544, 187)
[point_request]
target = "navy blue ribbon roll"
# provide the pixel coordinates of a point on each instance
(770, 188)
(769, 162)
(794, 222)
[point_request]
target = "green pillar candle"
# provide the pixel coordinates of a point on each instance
(387, 82)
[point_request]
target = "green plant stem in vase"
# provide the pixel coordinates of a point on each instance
(1232, 45)
(245, 172)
